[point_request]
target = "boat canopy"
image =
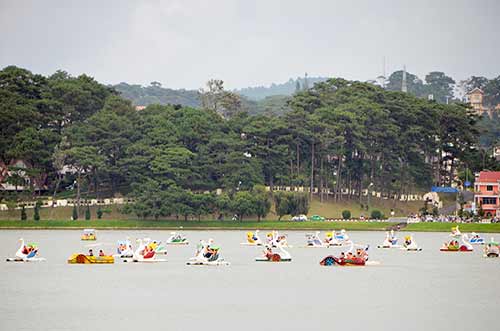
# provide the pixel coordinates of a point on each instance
(88, 231)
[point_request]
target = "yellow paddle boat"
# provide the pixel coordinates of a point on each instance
(88, 234)
(90, 259)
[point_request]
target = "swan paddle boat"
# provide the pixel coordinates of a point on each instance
(491, 249)
(177, 239)
(90, 259)
(274, 239)
(26, 253)
(454, 246)
(410, 245)
(145, 252)
(253, 239)
(455, 232)
(390, 241)
(358, 259)
(155, 245)
(476, 239)
(314, 241)
(88, 234)
(338, 238)
(270, 256)
(124, 249)
(207, 254)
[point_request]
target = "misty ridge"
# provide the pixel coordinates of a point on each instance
(273, 99)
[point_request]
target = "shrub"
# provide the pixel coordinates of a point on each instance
(99, 213)
(36, 214)
(24, 217)
(376, 214)
(75, 213)
(87, 213)
(346, 214)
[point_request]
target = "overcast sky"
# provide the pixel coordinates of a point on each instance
(184, 43)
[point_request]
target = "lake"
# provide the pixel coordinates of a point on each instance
(428, 290)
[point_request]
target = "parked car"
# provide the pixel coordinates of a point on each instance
(317, 218)
(299, 218)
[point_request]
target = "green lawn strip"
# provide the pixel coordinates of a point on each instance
(243, 225)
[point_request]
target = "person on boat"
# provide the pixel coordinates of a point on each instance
(349, 256)
(101, 253)
(268, 252)
(91, 252)
(208, 252)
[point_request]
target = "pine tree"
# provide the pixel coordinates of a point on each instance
(36, 215)
(87, 213)
(24, 217)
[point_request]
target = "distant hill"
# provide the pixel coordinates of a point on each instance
(156, 94)
(287, 88)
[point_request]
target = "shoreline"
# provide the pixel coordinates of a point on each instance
(243, 226)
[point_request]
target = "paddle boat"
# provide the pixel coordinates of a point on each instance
(390, 241)
(177, 239)
(476, 239)
(88, 234)
(207, 254)
(454, 246)
(341, 235)
(314, 241)
(124, 249)
(90, 259)
(491, 249)
(410, 245)
(455, 232)
(156, 246)
(270, 256)
(253, 239)
(26, 253)
(339, 238)
(274, 239)
(358, 259)
(145, 252)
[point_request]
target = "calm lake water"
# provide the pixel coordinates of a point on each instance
(428, 290)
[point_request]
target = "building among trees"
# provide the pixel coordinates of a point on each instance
(487, 193)
(477, 101)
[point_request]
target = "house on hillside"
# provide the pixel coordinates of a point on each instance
(476, 100)
(14, 177)
(487, 192)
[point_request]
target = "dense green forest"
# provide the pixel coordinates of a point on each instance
(338, 134)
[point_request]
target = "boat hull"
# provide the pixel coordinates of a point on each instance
(34, 259)
(86, 259)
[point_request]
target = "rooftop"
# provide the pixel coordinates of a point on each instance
(489, 176)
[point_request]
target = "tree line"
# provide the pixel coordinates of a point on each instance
(79, 134)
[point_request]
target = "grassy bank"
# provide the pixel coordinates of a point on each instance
(245, 225)
(229, 225)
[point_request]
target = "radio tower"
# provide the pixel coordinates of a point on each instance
(404, 87)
